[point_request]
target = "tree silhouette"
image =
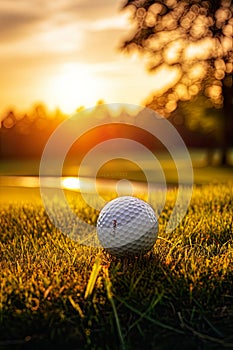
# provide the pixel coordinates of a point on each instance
(192, 39)
(24, 135)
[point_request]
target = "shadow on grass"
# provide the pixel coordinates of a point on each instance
(154, 304)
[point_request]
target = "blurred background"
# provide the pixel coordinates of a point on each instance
(174, 57)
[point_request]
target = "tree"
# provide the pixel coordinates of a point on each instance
(193, 40)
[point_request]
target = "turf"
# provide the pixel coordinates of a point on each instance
(55, 292)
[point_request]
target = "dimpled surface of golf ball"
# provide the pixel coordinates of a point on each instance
(127, 226)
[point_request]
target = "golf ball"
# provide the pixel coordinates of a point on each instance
(127, 226)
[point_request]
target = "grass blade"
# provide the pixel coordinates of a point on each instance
(76, 306)
(158, 323)
(93, 277)
(108, 285)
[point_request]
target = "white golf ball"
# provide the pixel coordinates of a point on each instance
(127, 226)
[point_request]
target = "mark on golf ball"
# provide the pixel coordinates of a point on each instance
(114, 226)
(135, 222)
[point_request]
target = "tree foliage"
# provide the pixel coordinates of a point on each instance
(192, 40)
(195, 37)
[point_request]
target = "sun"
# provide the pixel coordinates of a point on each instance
(73, 86)
(71, 183)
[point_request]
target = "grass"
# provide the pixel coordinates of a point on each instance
(55, 292)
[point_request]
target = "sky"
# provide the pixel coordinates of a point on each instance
(66, 54)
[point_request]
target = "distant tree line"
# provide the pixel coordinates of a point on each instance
(25, 135)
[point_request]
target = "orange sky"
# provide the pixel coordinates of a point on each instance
(64, 53)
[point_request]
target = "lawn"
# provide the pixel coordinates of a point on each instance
(56, 293)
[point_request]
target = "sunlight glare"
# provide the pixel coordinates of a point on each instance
(71, 183)
(197, 71)
(168, 76)
(73, 86)
(173, 51)
(201, 49)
